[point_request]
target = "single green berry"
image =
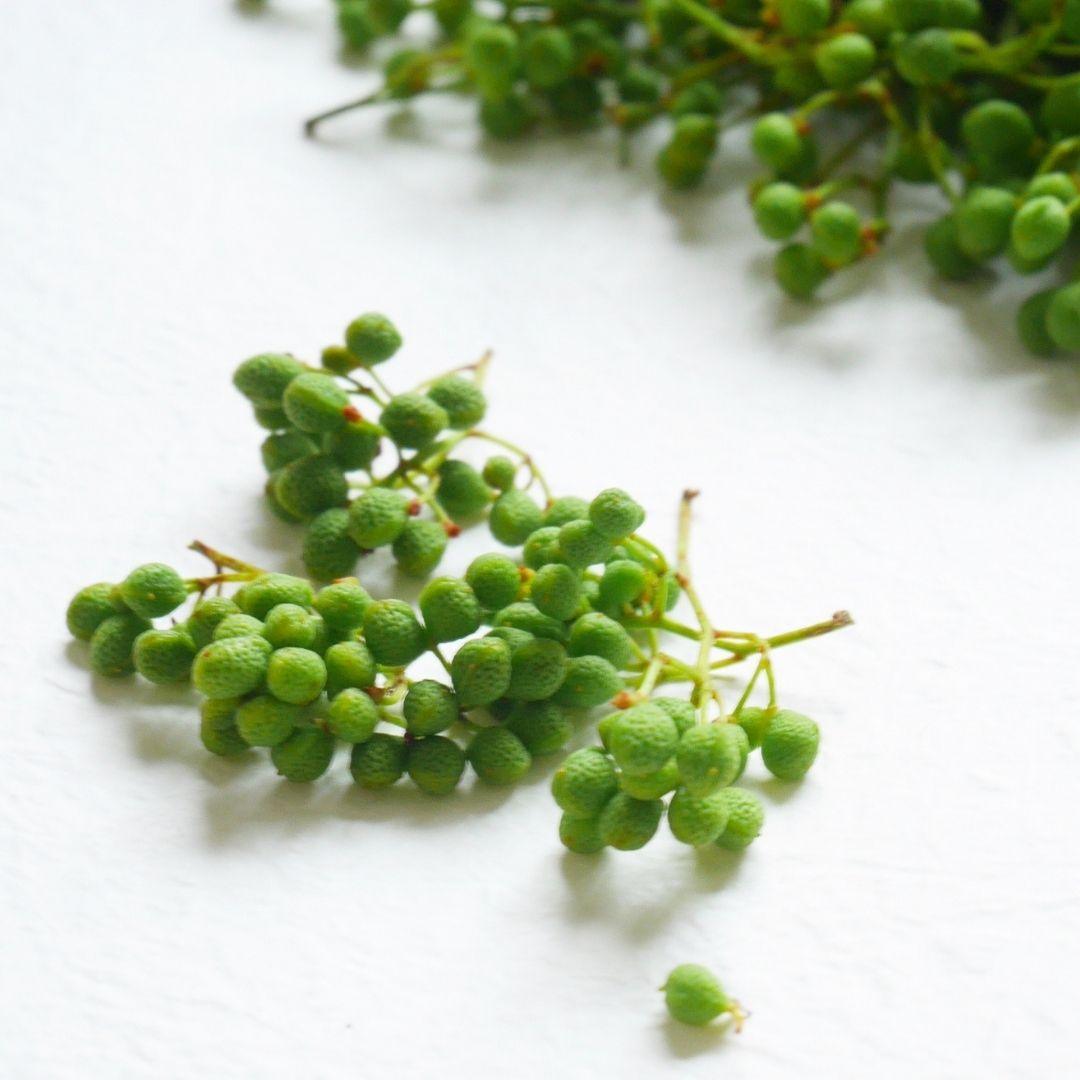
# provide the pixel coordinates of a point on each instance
(537, 669)
(217, 728)
(499, 472)
(393, 634)
(845, 60)
(266, 721)
(563, 509)
(206, 616)
(983, 221)
(89, 608)
(291, 624)
(491, 53)
(462, 492)
(270, 417)
(377, 517)
(349, 664)
(596, 634)
(928, 58)
(776, 141)
(652, 785)
(514, 516)
(309, 485)
(379, 761)
(285, 447)
(693, 995)
(429, 708)
(342, 605)
(547, 57)
(112, 644)
(495, 580)
(450, 609)
(642, 739)
(263, 379)
(153, 590)
(623, 582)
(755, 722)
(542, 726)
(461, 399)
(584, 782)
(1040, 228)
(711, 756)
(413, 420)
(372, 338)
(524, 615)
(627, 824)
(697, 820)
(315, 403)
(336, 358)
(556, 591)
(257, 597)
(746, 815)
(498, 756)
(800, 270)
(615, 514)
(355, 445)
(702, 98)
(998, 130)
(790, 745)
(164, 656)
(238, 625)
(581, 544)
(1063, 317)
(352, 716)
(1031, 324)
(305, 755)
(542, 548)
(1060, 112)
(480, 671)
(435, 764)
(419, 547)
(679, 709)
(942, 246)
(232, 667)
(837, 232)
(779, 210)
(354, 22)
(589, 681)
(296, 675)
(581, 835)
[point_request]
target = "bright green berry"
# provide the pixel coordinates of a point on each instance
(697, 820)
(755, 722)
(291, 624)
(419, 547)
(584, 782)
(589, 681)
(623, 582)
(1063, 317)
(435, 764)
(845, 60)
(153, 590)
(581, 834)
(679, 709)
(511, 635)
(547, 57)
(499, 472)
(799, 270)
(263, 379)
(790, 745)
(377, 518)
(413, 420)
(491, 54)
(206, 616)
(462, 492)
(480, 671)
(285, 447)
(342, 605)
(392, 632)
(429, 707)
(652, 785)
(237, 625)
(461, 399)
(268, 590)
(296, 675)
(1040, 228)
(450, 609)
(217, 728)
(315, 403)
(642, 739)
(710, 756)
(615, 515)
(309, 485)
(524, 615)
(803, 18)
(1058, 184)
(983, 221)
(556, 591)
(495, 580)
(336, 358)
(626, 823)
(542, 547)
(112, 644)
(232, 667)
(537, 670)
(498, 756)
(354, 445)
(684, 160)
(581, 544)
(837, 232)
(746, 815)
(595, 634)
(379, 761)
(352, 716)
(776, 141)
(998, 130)
(89, 608)
(164, 656)
(266, 721)
(693, 996)
(563, 509)
(779, 210)
(514, 516)
(372, 338)
(305, 755)
(542, 726)
(349, 664)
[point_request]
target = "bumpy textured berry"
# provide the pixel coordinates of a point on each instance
(627, 824)
(263, 379)
(652, 785)
(232, 667)
(556, 591)
(153, 590)
(679, 709)
(542, 548)
(585, 781)
(237, 625)
(305, 755)
(378, 762)
(285, 447)
(746, 815)
(524, 615)
(291, 624)
(429, 707)
(480, 671)
(342, 605)
(372, 338)
(755, 722)
(296, 675)
(217, 728)
(413, 420)
(623, 582)
(419, 547)
(642, 739)
(392, 633)
(615, 514)
(450, 609)
(113, 642)
(309, 485)
(563, 509)
(537, 670)
(495, 579)
(205, 617)
(354, 445)
(164, 656)
(511, 635)
(461, 399)
(315, 403)
(514, 516)
(498, 756)
(581, 544)
(542, 726)
(377, 518)
(89, 608)
(595, 634)
(697, 820)
(435, 764)
(589, 681)
(710, 756)
(352, 716)
(267, 591)
(693, 995)
(266, 721)
(790, 745)
(499, 472)
(462, 492)
(581, 834)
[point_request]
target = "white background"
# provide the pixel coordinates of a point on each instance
(913, 909)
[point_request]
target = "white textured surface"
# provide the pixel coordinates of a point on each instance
(912, 910)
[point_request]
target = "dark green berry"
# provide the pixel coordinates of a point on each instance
(429, 707)
(498, 756)
(379, 761)
(153, 590)
(372, 338)
(392, 633)
(305, 755)
(435, 764)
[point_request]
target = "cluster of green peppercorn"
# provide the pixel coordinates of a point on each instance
(530, 642)
(978, 97)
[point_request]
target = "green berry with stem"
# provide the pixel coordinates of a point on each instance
(845, 60)
(542, 726)
(480, 671)
(556, 591)
(429, 708)
(311, 484)
(217, 728)
(419, 547)
(697, 820)
(352, 716)
(164, 656)
(342, 605)
(153, 590)
(377, 518)
(349, 664)
(354, 445)
(499, 471)
(232, 667)
(623, 582)
(837, 232)
(315, 403)
(537, 670)
(694, 996)
(266, 721)
(755, 722)
(983, 221)
(372, 339)
(615, 515)
(998, 130)
(435, 764)
(450, 609)
(462, 400)
(495, 580)
(498, 756)
(745, 818)
(462, 491)
(205, 617)
(779, 210)
(581, 835)
(790, 745)
(413, 420)
(379, 761)
(89, 608)
(514, 517)
(596, 634)
(296, 675)
(262, 379)
(710, 756)
(642, 739)
(392, 633)
(626, 823)
(776, 141)
(305, 755)
(589, 681)
(112, 644)
(584, 782)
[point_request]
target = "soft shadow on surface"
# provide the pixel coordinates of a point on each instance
(687, 1042)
